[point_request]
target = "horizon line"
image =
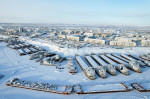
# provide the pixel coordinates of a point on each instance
(74, 24)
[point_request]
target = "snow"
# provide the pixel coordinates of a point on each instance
(33, 49)
(20, 51)
(1, 27)
(85, 50)
(12, 65)
(110, 61)
(146, 85)
(127, 57)
(79, 59)
(136, 57)
(109, 55)
(99, 60)
(26, 50)
(119, 57)
(91, 61)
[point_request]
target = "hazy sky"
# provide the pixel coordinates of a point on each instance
(117, 12)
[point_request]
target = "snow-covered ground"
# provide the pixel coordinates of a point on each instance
(85, 50)
(12, 65)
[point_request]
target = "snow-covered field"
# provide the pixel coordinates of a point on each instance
(12, 65)
(85, 50)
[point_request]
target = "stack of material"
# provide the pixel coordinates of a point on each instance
(46, 87)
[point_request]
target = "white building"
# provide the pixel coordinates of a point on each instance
(97, 41)
(146, 35)
(88, 34)
(138, 38)
(74, 37)
(122, 43)
(123, 39)
(145, 43)
(129, 39)
(61, 36)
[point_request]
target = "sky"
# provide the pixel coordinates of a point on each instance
(107, 12)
